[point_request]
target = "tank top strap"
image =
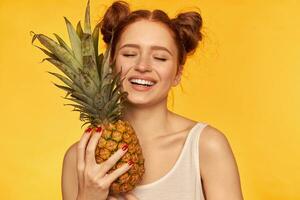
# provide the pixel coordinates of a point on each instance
(190, 151)
(191, 145)
(196, 132)
(194, 149)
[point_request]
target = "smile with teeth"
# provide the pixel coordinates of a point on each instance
(142, 82)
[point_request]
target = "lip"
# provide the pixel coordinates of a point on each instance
(140, 88)
(147, 78)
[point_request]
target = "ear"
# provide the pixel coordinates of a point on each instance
(177, 78)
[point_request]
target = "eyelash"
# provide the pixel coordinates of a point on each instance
(161, 59)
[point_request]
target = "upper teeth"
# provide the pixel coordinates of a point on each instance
(141, 81)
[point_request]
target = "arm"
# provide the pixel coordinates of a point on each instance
(218, 167)
(69, 182)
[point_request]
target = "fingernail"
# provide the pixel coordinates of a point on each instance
(130, 162)
(125, 147)
(98, 129)
(88, 130)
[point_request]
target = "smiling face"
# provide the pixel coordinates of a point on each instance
(146, 49)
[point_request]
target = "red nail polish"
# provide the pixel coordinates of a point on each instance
(130, 162)
(98, 129)
(88, 130)
(125, 147)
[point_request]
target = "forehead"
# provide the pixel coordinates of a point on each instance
(147, 33)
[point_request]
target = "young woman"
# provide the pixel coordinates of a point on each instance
(180, 164)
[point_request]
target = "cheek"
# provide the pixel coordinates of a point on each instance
(124, 64)
(167, 74)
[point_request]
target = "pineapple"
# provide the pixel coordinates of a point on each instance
(90, 82)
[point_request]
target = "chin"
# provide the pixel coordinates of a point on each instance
(134, 99)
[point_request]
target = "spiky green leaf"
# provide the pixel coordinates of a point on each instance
(87, 21)
(67, 81)
(87, 83)
(85, 109)
(48, 53)
(84, 104)
(68, 71)
(89, 59)
(95, 36)
(61, 53)
(67, 89)
(79, 30)
(75, 41)
(63, 44)
(82, 97)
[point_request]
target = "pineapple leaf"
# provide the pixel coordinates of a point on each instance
(60, 52)
(106, 68)
(83, 104)
(89, 59)
(75, 41)
(95, 36)
(99, 64)
(105, 91)
(87, 23)
(99, 100)
(79, 30)
(115, 81)
(116, 99)
(87, 83)
(62, 78)
(88, 50)
(115, 111)
(67, 81)
(84, 124)
(48, 53)
(67, 89)
(82, 97)
(34, 37)
(67, 71)
(63, 44)
(118, 87)
(85, 109)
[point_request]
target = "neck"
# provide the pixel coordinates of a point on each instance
(149, 121)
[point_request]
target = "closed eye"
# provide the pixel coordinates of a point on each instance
(162, 59)
(128, 55)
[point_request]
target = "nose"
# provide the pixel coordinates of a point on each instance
(143, 64)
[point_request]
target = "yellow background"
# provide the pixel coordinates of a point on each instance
(243, 80)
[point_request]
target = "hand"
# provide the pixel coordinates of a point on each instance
(130, 196)
(127, 196)
(93, 180)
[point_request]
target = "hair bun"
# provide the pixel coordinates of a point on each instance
(188, 25)
(118, 11)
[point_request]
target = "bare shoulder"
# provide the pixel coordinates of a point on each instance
(71, 152)
(218, 167)
(213, 140)
(69, 180)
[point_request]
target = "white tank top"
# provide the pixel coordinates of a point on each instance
(183, 181)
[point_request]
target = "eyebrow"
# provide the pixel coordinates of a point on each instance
(154, 47)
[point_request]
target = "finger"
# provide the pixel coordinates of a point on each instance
(116, 173)
(112, 160)
(130, 196)
(112, 198)
(81, 145)
(91, 147)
